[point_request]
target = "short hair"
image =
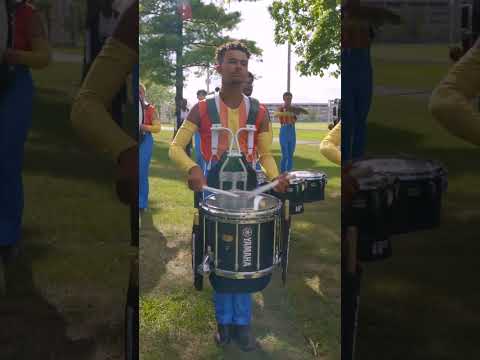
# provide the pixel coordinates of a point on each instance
(200, 92)
(287, 93)
(250, 75)
(233, 45)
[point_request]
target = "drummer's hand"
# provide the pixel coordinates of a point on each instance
(196, 179)
(127, 176)
(283, 183)
(349, 186)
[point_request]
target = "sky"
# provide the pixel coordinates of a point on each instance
(271, 74)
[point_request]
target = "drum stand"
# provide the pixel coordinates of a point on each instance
(287, 220)
(350, 293)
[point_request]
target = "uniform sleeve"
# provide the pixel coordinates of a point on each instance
(177, 151)
(90, 117)
(452, 102)
(330, 145)
(266, 159)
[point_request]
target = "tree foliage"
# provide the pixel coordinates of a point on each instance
(160, 38)
(313, 28)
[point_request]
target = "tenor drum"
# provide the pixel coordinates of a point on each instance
(315, 182)
(371, 212)
(419, 195)
(295, 192)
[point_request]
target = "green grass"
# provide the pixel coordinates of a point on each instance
(409, 52)
(295, 322)
(422, 302)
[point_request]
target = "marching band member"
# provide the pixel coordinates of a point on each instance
(287, 116)
(233, 303)
(150, 125)
(27, 48)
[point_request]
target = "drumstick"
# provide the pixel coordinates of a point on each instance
(219, 191)
(266, 187)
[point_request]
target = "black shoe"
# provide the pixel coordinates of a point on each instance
(244, 338)
(222, 336)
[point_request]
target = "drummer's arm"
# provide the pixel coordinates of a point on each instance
(90, 117)
(183, 137)
(264, 143)
(452, 101)
(330, 145)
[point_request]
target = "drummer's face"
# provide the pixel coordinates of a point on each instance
(234, 68)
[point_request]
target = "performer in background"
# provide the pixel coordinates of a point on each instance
(26, 48)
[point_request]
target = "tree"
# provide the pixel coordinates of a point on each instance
(313, 28)
(170, 44)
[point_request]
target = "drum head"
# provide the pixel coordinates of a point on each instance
(308, 174)
(243, 203)
(402, 168)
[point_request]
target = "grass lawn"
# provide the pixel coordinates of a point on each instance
(422, 303)
(301, 321)
(72, 279)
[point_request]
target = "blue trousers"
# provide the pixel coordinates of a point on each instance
(15, 121)
(145, 155)
(233, 309)
(288, 140)
(357, 89)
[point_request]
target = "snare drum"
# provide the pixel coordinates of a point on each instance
(241, 236)
(315, 182)
(295, 192)
(371, 213)
(421, 186)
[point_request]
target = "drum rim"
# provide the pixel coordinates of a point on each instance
(314, 174)
(244, 214)
(437, 167)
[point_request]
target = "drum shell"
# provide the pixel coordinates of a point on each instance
(247, 248)
(296, 196)
(371, 214)
(419, 205)
(314, 190)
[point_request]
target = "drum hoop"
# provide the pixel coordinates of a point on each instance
(244, 214)
(311, 176)
(244, 275)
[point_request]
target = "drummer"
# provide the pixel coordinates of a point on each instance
(233, 309)
(451, 103)
(330, 145)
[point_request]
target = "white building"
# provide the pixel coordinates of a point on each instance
(425, 20)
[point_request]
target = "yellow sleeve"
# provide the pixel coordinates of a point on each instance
(38, 57)
(177, 151)
(330, 145)
(264, 142)
(90, 117)
(451, 103)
